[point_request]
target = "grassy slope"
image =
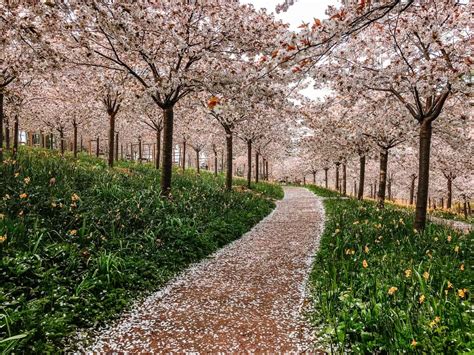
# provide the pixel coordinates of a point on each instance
(83, 241)
(413, 295)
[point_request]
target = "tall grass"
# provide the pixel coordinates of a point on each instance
(378, 286)
(80, 241)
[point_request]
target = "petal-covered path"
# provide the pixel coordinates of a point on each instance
(246, 297)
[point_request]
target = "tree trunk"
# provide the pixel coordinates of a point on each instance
(360, 194)
(1, 125)
(61, 140)
(326, 177)
(82, 146)
(16, 132)
(449, 201)
(314, 177)
(464, 209)
(184, 155)
(97, 147)
(382, 178)
(74, 143)
(344, 179)
(423, 175)
(215, 162)
(140, 151)
(116, 155)
(42, 140)
(412, 189)
(229, 148)
(337, 176)
(257, 166)
(198, 168)
(158, 149)
(167, 164)
(249, 163)
(266, 170)
(7, 137)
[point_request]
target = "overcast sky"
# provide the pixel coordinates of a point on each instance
(301, 11)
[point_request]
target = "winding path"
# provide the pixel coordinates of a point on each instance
(247, 297)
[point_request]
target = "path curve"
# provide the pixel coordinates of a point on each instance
(246, 297)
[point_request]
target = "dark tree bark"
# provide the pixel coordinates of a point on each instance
(326, 177)
(449, 200)
(140, 151)
(257, 166)
(82, 146)
(42, 140)
(1, 125)
(249, 163)
(344, 179)
(7, 135)
(382, 178)
(167, 165)
(61, 140)
(362, 160)
(74, 139)
(426, 131)
(229, 149)
(198, 168)
(116, 155)
(314, 177)
(266, 170)
(412, 189)
(337, 176)
(158, 149)
(111, 139)
(97, 147)
(215, 160)
(16, 132)
(184, 154)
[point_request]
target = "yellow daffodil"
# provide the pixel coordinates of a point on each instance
(23, 195)
(449, 239)
(408, 273)
(75, 197)
(365, 264)
(426, 275)
(3, 238)
(421, 299)
(366, 249)
(435, 322)
(456, 249)
(17, 174)
(462, 292)
(72, 232)
(392, 290)
(461, 267)
(356, 222)
(27, 180)
(450, 285)
(413, 343)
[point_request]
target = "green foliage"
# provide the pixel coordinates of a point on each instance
(381, 287)
(320, 191)
(83, 241)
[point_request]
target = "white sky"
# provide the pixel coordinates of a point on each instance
(301, 11)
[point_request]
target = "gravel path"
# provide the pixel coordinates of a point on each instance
(247, 297)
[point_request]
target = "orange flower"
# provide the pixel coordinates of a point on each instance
(413, 343)
(462, 292)
(392, 290)
(23, 195)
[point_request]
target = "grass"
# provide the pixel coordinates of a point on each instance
(378, 286)
(79, 242)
